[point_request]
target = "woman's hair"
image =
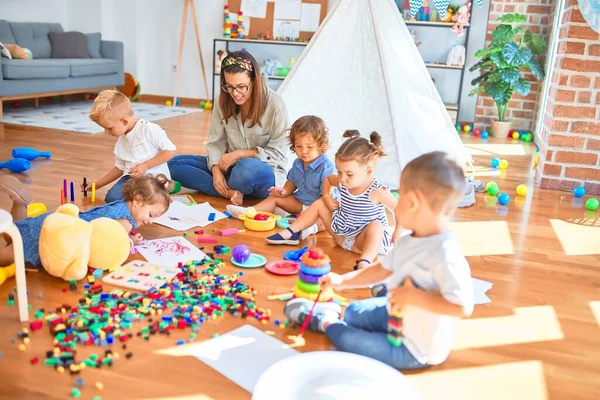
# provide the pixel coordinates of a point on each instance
(310, 125)
(151, 189)
(359, 149)
(238, 62)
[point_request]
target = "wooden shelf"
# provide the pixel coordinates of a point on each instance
(280, 42)
(451, 107)
(432, 23)
(443, 66)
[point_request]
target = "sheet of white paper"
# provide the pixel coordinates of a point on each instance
(311, 17)
(479, 289)
(288, 9)
(242, 355)
(285, 29)
(168, 252)
(181, 217)
(254, 8)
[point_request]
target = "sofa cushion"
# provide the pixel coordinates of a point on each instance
(6, 35)
(34, 36)
(35, 69)
(94, 40)
(93, 66)
(68, 45)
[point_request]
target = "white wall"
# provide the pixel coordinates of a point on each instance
(34, 11)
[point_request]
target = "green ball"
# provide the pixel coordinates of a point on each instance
(592, 204)
(493, 189)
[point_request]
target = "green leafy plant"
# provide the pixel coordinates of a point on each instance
(512, 51)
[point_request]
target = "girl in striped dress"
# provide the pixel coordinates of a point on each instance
(357, 221)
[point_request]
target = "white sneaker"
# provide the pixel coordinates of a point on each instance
(236, 211)
(311, 230)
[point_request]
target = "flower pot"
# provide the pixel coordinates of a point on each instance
(500, 129)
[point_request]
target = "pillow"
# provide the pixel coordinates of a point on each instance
(68, 45)
(93, 43)
(17, 52)
(4, 53)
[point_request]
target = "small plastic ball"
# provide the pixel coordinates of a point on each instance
(241, 253)
(202, 104)
(467, 128)
(87, 97)
(251, 212)
(208, 106)
(592, 204)
(495, 162)
(522, 190)
(492, 188)
(503, 164)
(168, 103)
(503, 199)
(516, 135)
(484, 134)
(579, 191)
(476, 132)
(458, 127)
(177, 101)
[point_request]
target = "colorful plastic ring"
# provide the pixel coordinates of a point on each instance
(309, 262)
(326, 295)
(308, 278)
(284, 223)
(315, 271)
(308, 287)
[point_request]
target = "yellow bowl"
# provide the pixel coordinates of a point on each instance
(261, 226)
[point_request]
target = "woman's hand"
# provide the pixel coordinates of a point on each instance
(227, 160)
(278, 192)
(331, 204)
(219, 183)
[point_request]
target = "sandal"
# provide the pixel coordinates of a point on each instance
(294, 240)
(359, 261)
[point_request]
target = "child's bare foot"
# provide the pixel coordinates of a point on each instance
(15, 189)
(236, 197)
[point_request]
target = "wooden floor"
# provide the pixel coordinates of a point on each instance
(539, 338)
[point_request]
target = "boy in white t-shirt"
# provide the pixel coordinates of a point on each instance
(429, 279)
(142, 147)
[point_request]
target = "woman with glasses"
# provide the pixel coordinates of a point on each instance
(247, 145)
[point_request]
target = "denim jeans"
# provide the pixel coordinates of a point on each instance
(114, 193)
(249, 176)
(364, 331)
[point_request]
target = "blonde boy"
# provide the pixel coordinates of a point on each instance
(142, 148)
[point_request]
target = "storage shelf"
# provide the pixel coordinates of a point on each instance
(444, 66)
(275, 77)
(451, 107)
(432, 23)
(258, 41)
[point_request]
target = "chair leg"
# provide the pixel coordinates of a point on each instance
(17, 243)
(1, 108)
(36, 102)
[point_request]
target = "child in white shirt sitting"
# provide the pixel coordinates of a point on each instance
(428, 277)
(142, 147)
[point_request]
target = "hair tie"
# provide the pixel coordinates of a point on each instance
(238, 61)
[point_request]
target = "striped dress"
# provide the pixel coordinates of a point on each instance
(357, 211)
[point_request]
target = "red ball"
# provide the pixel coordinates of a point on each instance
(476, 132)
(315, 253)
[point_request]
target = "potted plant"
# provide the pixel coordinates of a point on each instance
(512, 51)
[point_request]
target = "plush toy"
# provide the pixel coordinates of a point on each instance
(68, 245)
(460, 19)
(456, 56)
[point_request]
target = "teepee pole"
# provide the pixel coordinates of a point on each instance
(198, 43)
(180, 55)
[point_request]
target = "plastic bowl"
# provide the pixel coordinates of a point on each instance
(261, 226)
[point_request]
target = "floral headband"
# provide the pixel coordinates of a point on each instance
(238, 61)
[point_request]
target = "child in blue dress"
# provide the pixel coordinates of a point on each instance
(144, 199)
(357, 222)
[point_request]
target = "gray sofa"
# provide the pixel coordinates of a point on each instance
(44, 76)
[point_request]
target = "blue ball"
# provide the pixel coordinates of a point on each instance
(495, 162)
(579, 191)
(503, 198)
(177, 101)
(484, 134)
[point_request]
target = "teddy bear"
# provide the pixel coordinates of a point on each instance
(69, 245)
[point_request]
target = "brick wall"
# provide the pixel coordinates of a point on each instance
(521, 110)
(570, 136)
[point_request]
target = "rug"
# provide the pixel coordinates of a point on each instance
(74, 116)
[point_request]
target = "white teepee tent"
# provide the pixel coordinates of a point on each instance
(362, 71)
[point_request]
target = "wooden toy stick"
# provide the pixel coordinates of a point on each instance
(308, 317)
(65, 188)
(62, 197)
(72, 192)
(84, 187)
(93, 192)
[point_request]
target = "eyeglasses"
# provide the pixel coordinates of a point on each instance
(241, 89)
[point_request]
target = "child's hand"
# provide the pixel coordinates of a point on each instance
(402, 295)
(137, 238)
(331, 204)
(87, 188)
(330, 280)
(139, 170)
(278, 192)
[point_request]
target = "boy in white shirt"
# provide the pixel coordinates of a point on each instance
(142, 147)
(429, 279)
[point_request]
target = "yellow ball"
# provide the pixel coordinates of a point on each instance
(208, 106)
(503, 164)
(522, 190)
(251, 212)
(168, 103)
(516, 135)
(467, 128)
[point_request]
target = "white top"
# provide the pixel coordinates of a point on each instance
(144, 142)
(435, 264)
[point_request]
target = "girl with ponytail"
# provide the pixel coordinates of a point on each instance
(357, 219)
